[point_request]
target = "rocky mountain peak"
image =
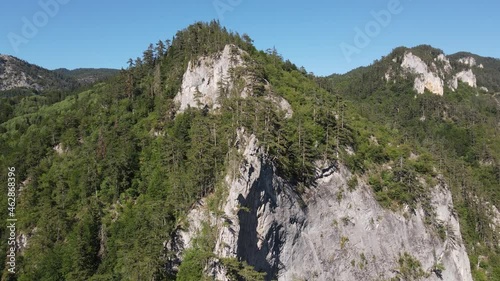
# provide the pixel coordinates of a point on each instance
(18, 74)
(427, 77)
(209, 77)
(12, 77)
(434, 73)
(204, 77)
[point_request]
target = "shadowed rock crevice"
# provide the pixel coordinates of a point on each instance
(321, 236)
(261, 250)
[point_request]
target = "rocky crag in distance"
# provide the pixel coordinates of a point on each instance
(17, 74)
(328, 232)
(438, 72)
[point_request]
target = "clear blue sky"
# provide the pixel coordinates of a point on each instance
(105, 33)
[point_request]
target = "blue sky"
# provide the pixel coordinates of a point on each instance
(313, 34)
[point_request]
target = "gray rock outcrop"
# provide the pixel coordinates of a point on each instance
(470, 61)
(10, 78)
(426, 79)
(435, 76)
(204, 77)
(466, 76)
(326, 233)
(207, 76)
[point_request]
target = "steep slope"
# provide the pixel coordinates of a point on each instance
(267, 224)
(437, 72)
(130, 164)
(487, 71)
(327, 233)
(453, 123)
(210, 159)
(18, 74)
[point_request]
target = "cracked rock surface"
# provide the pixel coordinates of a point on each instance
(321, 235)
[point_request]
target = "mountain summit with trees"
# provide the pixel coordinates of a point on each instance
(207, 159)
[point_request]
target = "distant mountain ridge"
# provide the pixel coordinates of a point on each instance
(426, 68)
(87, 75)
(17, 74)
(435, 71)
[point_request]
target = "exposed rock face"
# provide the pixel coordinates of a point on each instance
(204, 78)
(466, 77)
(433, 76)
(495, 217)
(59, 149)
(451, 253)
(470, 61)
(328, 233)
(10, 78)
(282, 104)
(425, 79)
(447, 66)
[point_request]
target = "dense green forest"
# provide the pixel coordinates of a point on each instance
(456, 135)
(101, 206)
(86, 76)
(109, 172)
(48, 87)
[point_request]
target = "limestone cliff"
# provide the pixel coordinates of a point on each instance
(208, 76)
(470, 61)
(434, 76)
(326, 233)
(202, 79)
(425, 79)
(467, 77)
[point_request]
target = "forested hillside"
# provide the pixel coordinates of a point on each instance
(88, 76)
(25, 87)
(109, 174)
(456, 135)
